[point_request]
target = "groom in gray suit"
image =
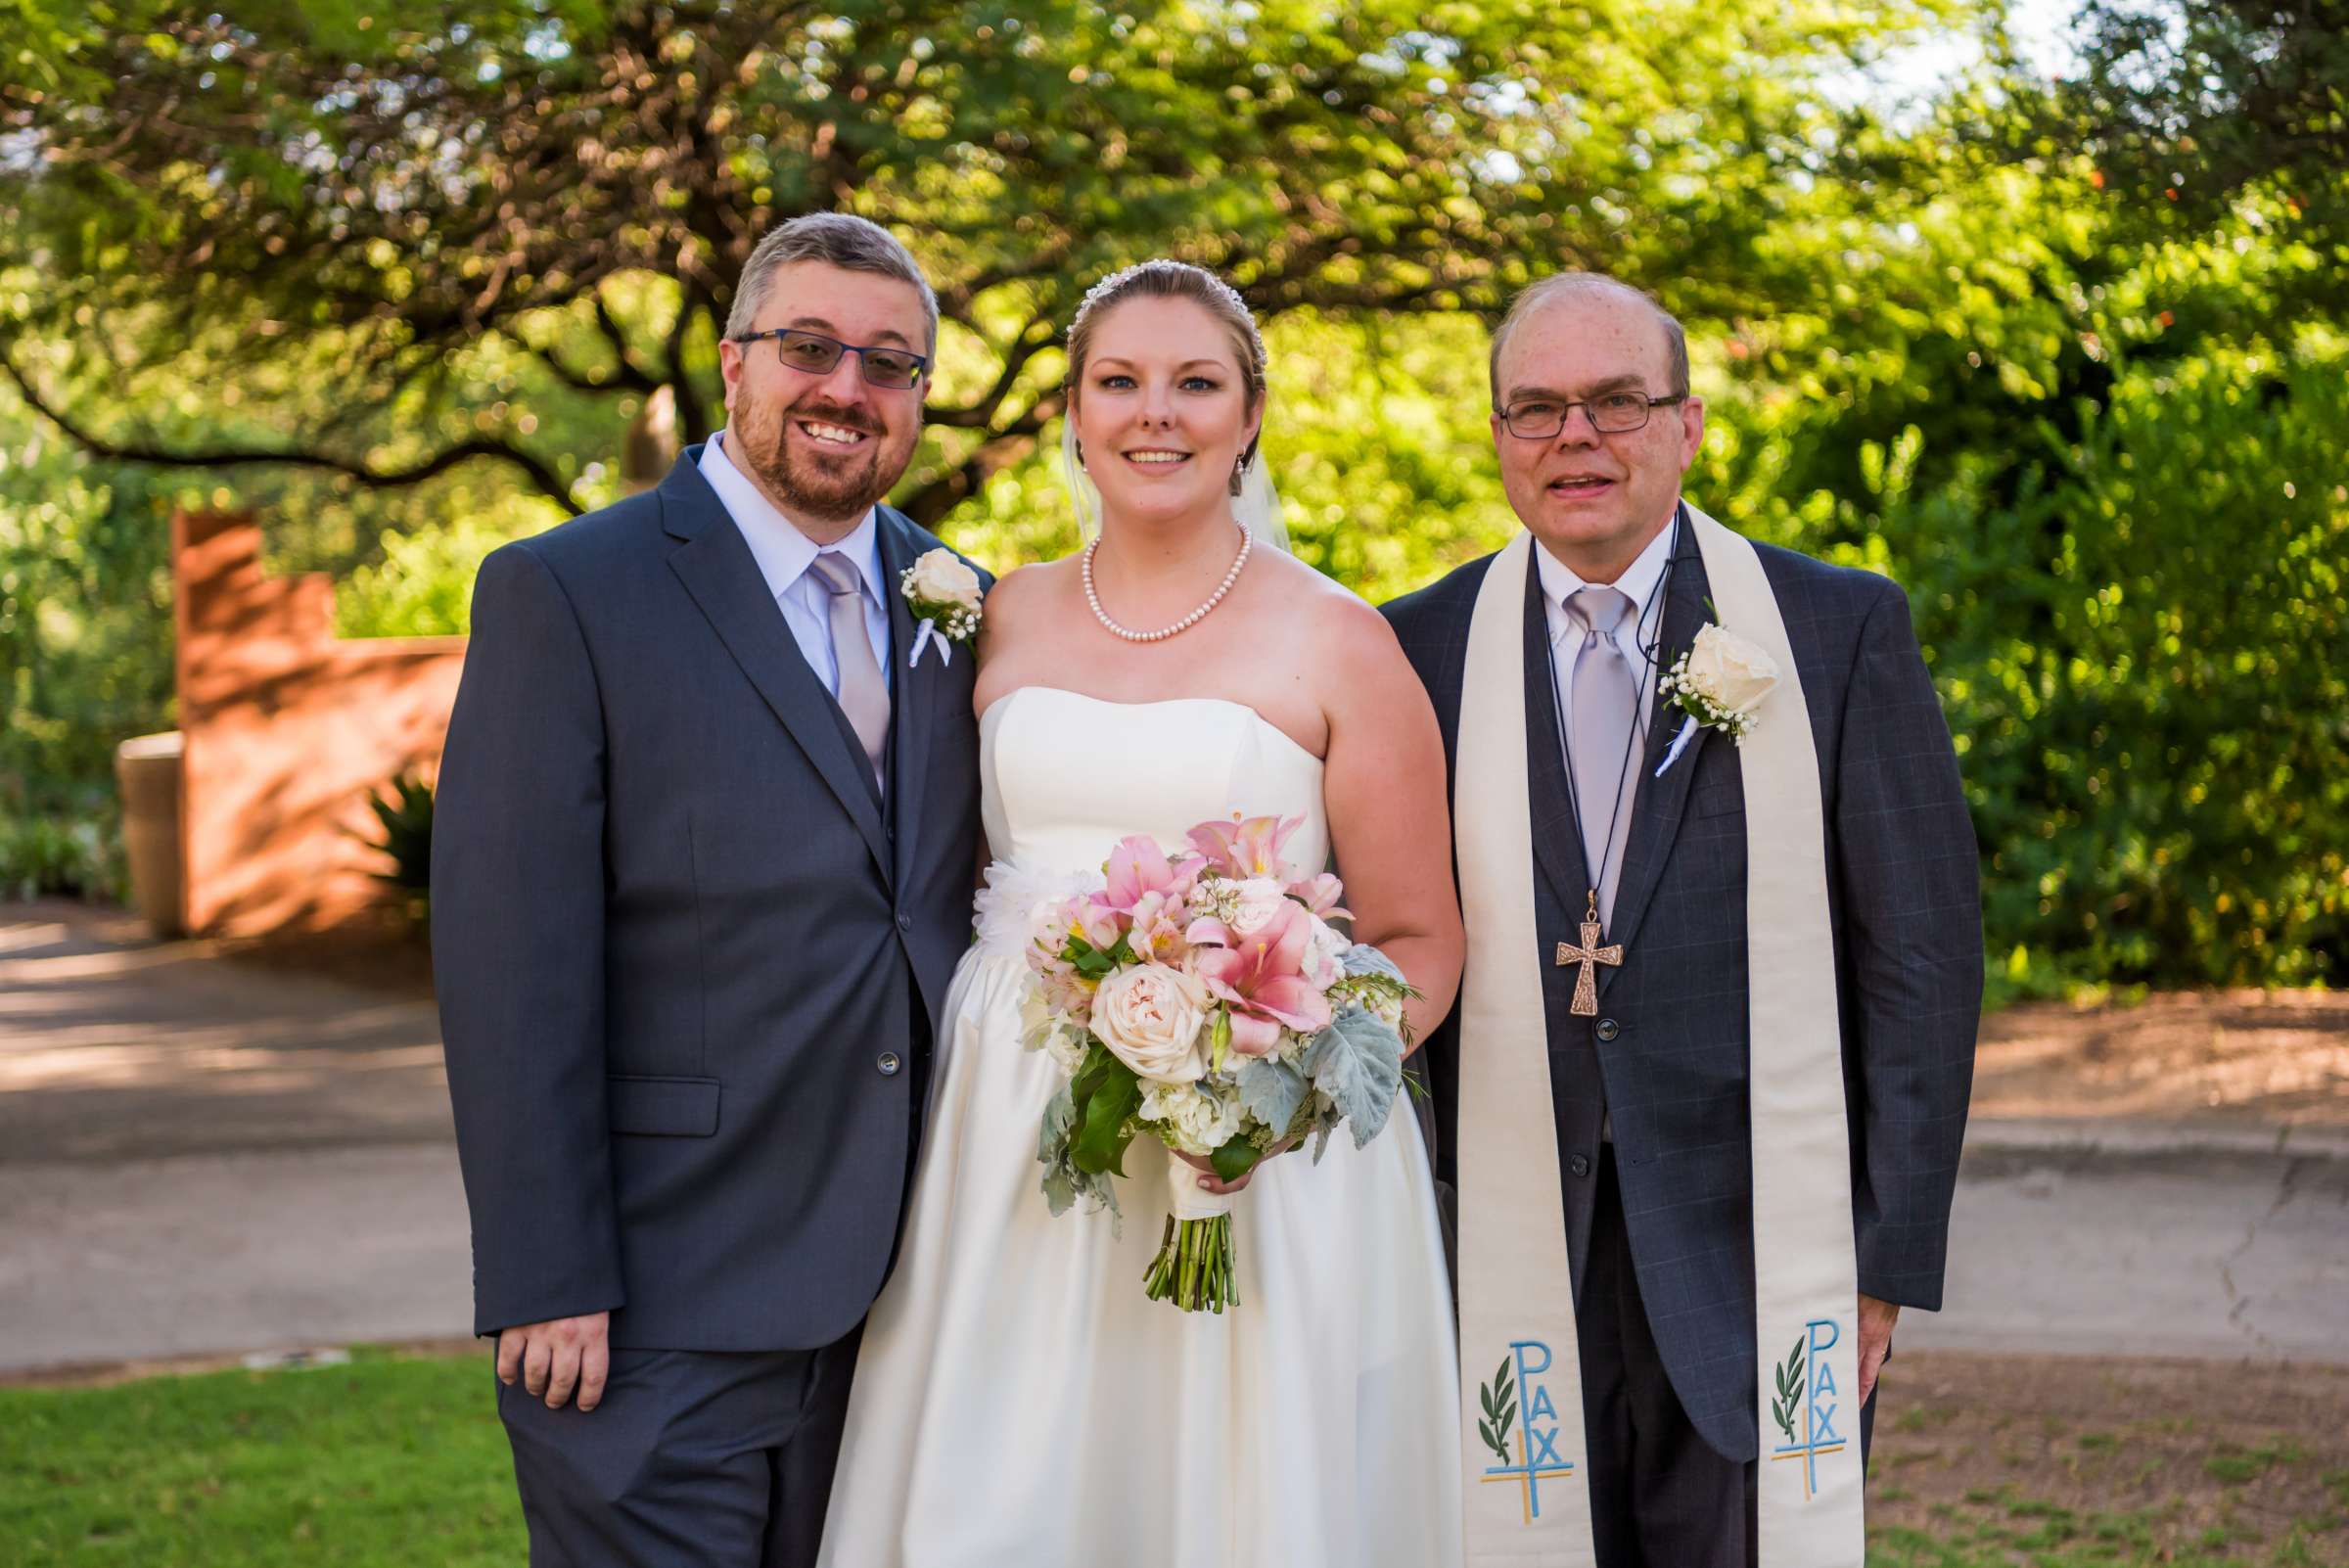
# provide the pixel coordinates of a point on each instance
(702, 869)
(1595, 425)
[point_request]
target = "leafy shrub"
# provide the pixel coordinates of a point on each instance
(407, 818)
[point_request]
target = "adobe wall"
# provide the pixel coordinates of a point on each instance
(287, 728)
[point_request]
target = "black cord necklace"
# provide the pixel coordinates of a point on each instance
(1648, 646)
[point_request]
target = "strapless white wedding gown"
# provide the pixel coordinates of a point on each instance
(1018, 1401)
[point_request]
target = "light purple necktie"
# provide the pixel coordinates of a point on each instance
(863, 695)
(1606, 707)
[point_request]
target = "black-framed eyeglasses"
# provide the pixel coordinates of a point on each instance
(1616, 413)
(816, 354)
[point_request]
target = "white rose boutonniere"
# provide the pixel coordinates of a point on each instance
(1719, 683)
(943, 595)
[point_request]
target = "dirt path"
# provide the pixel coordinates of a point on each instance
(2228, 1058)
(2064, 1460)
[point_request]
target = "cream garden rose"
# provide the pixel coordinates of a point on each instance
(1154, 1020)
(1729, 672)
(941, 577)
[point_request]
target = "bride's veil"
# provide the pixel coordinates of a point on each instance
(1256, 508)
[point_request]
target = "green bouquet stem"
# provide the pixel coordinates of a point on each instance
(1195, 1267)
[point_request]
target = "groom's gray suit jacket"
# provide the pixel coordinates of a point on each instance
(1667, 1055)
(690, 959)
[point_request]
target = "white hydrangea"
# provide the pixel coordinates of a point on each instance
(1201, 1121)
(1036, 1019)
(1323, 953)
(1067, 1047)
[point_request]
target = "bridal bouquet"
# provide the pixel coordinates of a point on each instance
(1203, 998)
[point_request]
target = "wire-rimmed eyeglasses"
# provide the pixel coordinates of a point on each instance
(1615, 413)
(816, 354)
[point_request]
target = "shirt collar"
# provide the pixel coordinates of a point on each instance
(783, 553)
(1561, 582)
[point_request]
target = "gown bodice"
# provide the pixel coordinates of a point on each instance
(1064, 776)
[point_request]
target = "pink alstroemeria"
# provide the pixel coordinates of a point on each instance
(1320, 893)
(1263, 978)
(1156, 933)
(1099, 925)
(1247, 847)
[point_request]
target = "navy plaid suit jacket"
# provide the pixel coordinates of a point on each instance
(1667, 1056)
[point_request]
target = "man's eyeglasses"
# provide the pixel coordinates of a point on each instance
(1618, 413)
(816, 354)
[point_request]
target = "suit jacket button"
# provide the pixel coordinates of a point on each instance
(904, 922)
(889, 1064)
(1608, 1029)
(1581, 1164)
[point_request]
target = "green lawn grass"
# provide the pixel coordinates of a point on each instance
(386, 1460)
(399, 1460)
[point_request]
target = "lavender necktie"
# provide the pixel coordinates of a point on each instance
(1606, 707)
(863, 695)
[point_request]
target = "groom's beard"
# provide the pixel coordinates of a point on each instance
(804, 478)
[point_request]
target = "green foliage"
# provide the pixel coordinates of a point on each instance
(85, 659)
(407, 818)
(2066, 361)
(1106, 1093)
(2192, 106)
(386, 1461)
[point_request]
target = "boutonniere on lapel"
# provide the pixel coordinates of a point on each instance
(944, 596)
(1719, 683)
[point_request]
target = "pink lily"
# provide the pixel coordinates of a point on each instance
(1320, 893)
(1138, 867)
(1248, 847)
(1262, 980)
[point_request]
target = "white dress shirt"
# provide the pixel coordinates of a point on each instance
(1635, 634)
(784, 555)
(1643, 625)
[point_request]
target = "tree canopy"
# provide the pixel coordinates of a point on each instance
(2065, 358)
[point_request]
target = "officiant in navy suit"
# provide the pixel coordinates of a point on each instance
(1637, 838)
(706, 827)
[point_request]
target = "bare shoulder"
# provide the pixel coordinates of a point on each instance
(1020, 594)
(1338, 623)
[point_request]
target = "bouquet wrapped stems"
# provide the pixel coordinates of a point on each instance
(1194, 1269)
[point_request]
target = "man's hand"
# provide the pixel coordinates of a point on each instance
(1877, 1319)
(555, 1357)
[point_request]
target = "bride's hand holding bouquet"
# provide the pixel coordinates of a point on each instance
(1204, 998)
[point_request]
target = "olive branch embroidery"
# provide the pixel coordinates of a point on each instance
(1790, 1390)
(1500, 1400)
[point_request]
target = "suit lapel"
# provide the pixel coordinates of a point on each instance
(1657, 808)
(912, 711)
(723, 579)
(1557, 842)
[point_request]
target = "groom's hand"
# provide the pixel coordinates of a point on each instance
(1877, 1319)
(555, 1357)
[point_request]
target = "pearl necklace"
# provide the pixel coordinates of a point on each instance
(1247, 543)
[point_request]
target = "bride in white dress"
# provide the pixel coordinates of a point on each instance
(1018, 1400)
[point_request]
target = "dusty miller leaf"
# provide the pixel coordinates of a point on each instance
(1271, 1091)
(1358, 1062)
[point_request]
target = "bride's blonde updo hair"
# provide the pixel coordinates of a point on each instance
(1164, 279)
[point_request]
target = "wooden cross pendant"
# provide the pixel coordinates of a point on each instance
(1588, 955)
